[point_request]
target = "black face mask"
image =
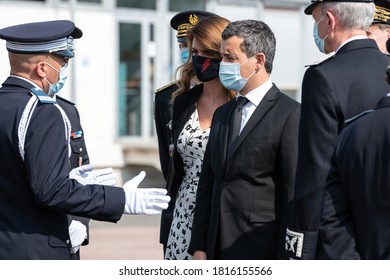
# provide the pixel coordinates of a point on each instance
(206, 68)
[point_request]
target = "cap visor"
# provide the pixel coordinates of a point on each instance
(309, 9)
(65, 53)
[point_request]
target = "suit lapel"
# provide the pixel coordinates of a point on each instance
(224, 131)
(265, 104)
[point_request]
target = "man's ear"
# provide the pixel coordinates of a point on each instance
(331, 21)
(40, 69)
(260, 60)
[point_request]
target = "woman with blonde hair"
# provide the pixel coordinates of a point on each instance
(193, 109)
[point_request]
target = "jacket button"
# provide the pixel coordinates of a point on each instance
(67, 241)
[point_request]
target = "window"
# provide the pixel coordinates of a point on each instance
(129, 79)
(180, 5)
(140, 4)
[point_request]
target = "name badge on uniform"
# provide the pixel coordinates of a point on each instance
(76, 134)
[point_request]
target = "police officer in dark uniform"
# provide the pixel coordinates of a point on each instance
(163, 108)
(334, 90)
(37, 188)
(356, 218)
(380, 27)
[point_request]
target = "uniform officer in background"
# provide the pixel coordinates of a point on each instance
(380, 28)
(162, 101)
(163, 109)
(78, 226)
(356, 218)
(333, 91)
(79, 162)
(37, 189)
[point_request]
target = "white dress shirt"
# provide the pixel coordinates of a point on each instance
(255, 96)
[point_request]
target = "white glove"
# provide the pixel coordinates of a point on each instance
(86, 176)
(77, 233)
(144, 200)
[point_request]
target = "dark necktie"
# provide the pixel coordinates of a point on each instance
(235, 121)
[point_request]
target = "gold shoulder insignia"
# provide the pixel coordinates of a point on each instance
(321, 59)
(166, 86)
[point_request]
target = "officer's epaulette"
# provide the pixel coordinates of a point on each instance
(321, 59)
(354, 118)
(65, 100)
(161, 89)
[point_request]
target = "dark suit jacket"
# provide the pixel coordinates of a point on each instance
(163, 120)
(356, 221)
(184, 106)
(243, 197)
(333, 92)
(36, 194)
(79, 154)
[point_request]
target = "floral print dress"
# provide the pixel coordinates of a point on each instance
(191, 145)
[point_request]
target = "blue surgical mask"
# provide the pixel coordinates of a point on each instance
(184, 55)
(63, 75)
(230, 75)
(317, 39)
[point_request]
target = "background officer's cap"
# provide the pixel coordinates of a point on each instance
(184, 20)
(382, 12)
(54, 37)
(309, 8)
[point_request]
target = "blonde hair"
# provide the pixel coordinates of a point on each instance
(208, 33)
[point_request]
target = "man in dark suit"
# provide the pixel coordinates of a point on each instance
(347, 83)
(163, 110)
(356, 218)
(246, 183)
(37, 192)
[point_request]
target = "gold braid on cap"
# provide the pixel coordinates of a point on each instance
(382, 14)
(183, 28)
(193, 19)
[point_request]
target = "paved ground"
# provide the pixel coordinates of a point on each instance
(132, 238)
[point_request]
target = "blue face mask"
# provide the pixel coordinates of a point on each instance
(63, 75)
(230, 75)
(184, 55)
(317, 39)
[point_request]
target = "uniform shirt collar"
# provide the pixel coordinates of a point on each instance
(30, 82)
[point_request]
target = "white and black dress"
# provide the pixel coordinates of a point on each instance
(191, 145)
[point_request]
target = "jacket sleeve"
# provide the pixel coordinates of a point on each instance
(318, 131)
(163, 112)
(203, 205)
(287, 161)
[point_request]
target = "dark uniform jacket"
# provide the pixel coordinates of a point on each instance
(184, 106)
(356, 223)
(35, 193)
(79, 154)
(332, 92)
(243, 196)
(163, 121)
